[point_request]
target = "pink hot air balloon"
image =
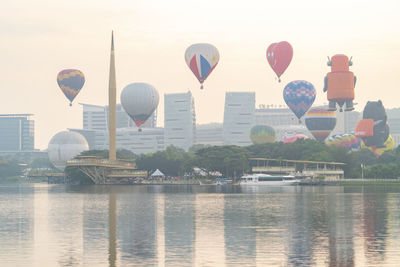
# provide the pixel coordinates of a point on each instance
(279, 56)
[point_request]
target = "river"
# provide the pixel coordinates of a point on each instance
(156, 225)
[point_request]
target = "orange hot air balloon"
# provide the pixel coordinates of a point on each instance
(339, 83)
(364, 128)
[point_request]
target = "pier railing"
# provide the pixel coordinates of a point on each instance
(101, 162)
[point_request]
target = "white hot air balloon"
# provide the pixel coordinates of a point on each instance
(139, 100)
(201, 59)
(64, 146)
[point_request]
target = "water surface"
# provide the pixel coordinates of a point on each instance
(58, 225)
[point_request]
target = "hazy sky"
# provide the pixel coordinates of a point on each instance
(39, 38)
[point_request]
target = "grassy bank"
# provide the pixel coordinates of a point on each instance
(14, 180)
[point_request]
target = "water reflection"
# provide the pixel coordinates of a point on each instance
(199, 226)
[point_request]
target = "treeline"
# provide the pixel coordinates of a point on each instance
(9, 168)
(233, 161)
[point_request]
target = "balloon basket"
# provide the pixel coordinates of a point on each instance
(70, 104)
(139, 130)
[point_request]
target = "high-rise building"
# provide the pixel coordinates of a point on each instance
(146, 141)
(274, 116)
(238, 118)
(16, 132)
(394, 124)
(179, 120)
(209, 134)
(96, 118)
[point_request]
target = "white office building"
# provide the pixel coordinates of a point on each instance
(238, 118)
(209, 134)
(274, 116)
(283, 120)
(179, 120)
(148, 140)
(96, 118)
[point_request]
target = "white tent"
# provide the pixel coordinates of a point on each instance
(157, 173)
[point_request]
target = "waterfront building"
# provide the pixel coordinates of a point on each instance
(238, 118)
(95, 117)
(179, 120)
(16, 132)
(209, 134)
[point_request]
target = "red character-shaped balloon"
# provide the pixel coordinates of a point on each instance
(339, 83)
(279, 56)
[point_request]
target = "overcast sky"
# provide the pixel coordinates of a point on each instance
(39, 38)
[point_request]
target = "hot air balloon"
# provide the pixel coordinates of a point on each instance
(387, 146)
(299, 96)
(373, 128)
(349, 141)
(291, 139)
(261, 134)
(139, 100)
(279, 56)
(339, 83)
(320, 122)
(71, 82)
(201, 59)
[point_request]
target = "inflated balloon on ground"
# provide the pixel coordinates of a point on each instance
(349, 141)
(261, 134)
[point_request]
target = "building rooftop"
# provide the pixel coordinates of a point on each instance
(15, 115)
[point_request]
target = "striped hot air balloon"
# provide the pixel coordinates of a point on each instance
(320, 123)
(71, 82)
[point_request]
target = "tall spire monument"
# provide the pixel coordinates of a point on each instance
(112, 101)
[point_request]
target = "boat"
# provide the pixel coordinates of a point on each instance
(267, 179)
(222, 181)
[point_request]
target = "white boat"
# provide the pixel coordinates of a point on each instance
(266, 179)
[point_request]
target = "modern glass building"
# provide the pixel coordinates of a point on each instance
(16, 132)
(238, 118)
(179, 120)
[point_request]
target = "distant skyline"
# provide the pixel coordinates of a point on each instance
(39, 38)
